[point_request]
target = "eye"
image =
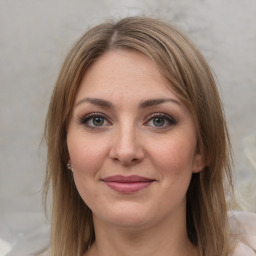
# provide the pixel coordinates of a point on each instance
(94, 120)
(160, 121)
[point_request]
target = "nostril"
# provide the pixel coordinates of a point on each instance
(126, 150)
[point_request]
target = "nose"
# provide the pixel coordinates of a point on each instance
(126, 147)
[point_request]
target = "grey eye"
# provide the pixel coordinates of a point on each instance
(98, 121)
(159, 121)
(94, 120)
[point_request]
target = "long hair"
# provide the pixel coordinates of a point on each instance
(190, 78)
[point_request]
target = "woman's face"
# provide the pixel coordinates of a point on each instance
(131, 142)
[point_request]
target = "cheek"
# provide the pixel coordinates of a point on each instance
(175, 155)
(86, 154)
(87, 157)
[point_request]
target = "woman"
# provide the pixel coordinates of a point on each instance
(138, 149)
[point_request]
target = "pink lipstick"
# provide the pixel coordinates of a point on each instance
(127, 184)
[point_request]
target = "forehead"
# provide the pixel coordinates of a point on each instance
(123, 73)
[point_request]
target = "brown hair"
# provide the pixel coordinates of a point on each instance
(190, 77)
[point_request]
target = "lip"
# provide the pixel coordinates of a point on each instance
(127, 184)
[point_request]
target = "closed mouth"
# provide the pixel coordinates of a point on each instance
(127, 184)
(127, 179)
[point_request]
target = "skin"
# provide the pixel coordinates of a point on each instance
(157, 141)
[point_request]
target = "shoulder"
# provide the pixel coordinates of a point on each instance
(243, 229)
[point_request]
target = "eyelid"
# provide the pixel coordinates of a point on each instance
(85, 118)
(171, 120)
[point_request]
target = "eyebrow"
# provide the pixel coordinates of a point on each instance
(96, 101)
(153, 102)
(143, 104)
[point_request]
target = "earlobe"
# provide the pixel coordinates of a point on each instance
(69, 165)
(199, 163)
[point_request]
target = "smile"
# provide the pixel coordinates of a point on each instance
(127, 184)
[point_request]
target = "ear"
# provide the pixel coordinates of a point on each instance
(69, 165)
(199, 163)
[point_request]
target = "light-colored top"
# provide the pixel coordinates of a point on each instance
(243, 226)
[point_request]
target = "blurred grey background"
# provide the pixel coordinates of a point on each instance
(34, 39)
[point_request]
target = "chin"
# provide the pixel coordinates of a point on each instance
(126, 216)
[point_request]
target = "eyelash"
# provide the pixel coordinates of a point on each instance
(166, 118)
(85, 119)
(169, 119)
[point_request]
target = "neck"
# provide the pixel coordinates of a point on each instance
(156, 240)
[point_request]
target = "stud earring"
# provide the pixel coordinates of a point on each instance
(69, 166)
